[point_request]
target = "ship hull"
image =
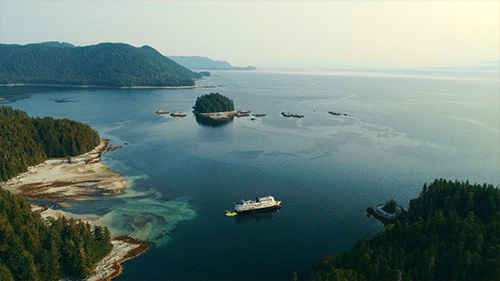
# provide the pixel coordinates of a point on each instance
(266, 209)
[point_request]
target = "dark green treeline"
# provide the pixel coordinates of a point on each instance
(33, 249)
(26, 141)
(30, 247)
(213, 102)
(452, 233)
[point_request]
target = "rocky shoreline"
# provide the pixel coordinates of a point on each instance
(223, 115)
(75, 179)
(124, 249)
(370, 211)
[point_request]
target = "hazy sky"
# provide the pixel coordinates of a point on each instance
(259, 33)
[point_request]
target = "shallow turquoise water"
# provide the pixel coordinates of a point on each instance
(404, 129)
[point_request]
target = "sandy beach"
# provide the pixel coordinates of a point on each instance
(77, 178)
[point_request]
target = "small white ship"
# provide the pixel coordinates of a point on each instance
(257, 205)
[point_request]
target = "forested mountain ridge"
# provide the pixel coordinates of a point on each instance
(104, 64)
(204, 63)
(26, 141)
(452, 233)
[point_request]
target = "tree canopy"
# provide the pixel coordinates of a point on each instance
(34, 249)
(452, 233)
(390, 206)
(213, 102)
(26, 141)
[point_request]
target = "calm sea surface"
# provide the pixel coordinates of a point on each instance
(403, 129)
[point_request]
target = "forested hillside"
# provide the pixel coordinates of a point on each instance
(26, 141)
(32, 249)
(452, 233)
(105, 64)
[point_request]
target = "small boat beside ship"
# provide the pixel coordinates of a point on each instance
(258, 205)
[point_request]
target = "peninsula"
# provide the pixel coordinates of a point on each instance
(450, 233)
(70, 246)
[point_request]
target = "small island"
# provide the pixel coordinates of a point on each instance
(214, 106)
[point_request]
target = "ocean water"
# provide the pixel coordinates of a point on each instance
(404, 128)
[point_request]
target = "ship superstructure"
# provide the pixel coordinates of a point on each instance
(259, 204)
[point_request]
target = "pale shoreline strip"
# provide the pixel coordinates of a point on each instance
(221, 115)
(99, 86)
(124, 249)
(61, 180)
(76, 178)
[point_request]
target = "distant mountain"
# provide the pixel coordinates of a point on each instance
(105, 64)
(205, 63)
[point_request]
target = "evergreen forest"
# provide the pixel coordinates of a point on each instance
(452, 232)
(105, 64)
(32, 248)
(213, 102)
(26, 141)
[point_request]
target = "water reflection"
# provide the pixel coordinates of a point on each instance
(15, 93)
(262, 216)
(208, 122)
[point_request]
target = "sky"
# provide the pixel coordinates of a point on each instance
(261, 33)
